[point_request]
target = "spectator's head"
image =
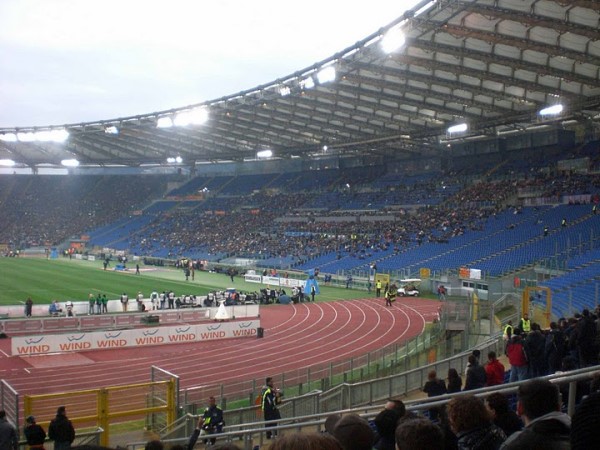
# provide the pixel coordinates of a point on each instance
(154, 445)
(30, 420)
(492, 356)
(396, 405)
(269, 381)
(452, 373)
(466, 413)
(386, 422)
(419, 434)
(586, 423)
(497, 404)
(432, 375)
(537, 397)
(306, 441)
(477, 353)
(472, 360)
(331, 421)
(61, 411)
(354, 433)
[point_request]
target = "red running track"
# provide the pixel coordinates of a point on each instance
(296, 337)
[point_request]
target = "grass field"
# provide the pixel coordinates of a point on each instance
(62, 279)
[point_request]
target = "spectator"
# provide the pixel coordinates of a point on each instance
(586, 423)
(9, 440)
(502, 415)
(535, 343)
(385, 422)
(454, 381)
(434, 387)
(554, 348)
(475, 376)
(472, 424)
(330, 422)
(354, 433)
(61, 430)
(494, 370)
(516, 357)
(545, 426)
(419, 434)
(306, 441)
(34, 434)
(154, 445)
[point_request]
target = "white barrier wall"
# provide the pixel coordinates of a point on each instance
(140, 337)
(274, 281)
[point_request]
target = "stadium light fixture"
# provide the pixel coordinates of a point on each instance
(111, 130)
(307, 83)
(393, 40)
(284, 91)
(175, 160)
(26, 136)
(7, 162)
(58, 135)
(459, 128)
(326, 74)
(164, 122)
(264, 153)
(196, 116)
(8, 137)
(553, 110)
(70, 162)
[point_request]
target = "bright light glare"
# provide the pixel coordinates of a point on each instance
(284, 91)
(193, 117)
(551, 110)
(51, 135)
(425, 8)
(8, 137)
(70, 162)
(26, 137)
(307, 83)
(326, 75)
(174, 160)
(393, 40)
(111, 130)
(164, 122)
(461, 127)
(7, 162)
(264, 154)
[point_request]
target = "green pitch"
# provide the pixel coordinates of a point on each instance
(62, 279)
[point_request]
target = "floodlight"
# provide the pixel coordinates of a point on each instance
(553, 110)
(325, 148)
(196, 116)
(393, 40)
(178, 159)
(164, 122)
(8, 137)
(7, 162)
(111, 130)
(264, 153)
(307, 83)
(284, 91)
(460, 128)
(70, 162)
(326, 75)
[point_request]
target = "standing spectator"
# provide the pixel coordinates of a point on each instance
(34, 434)
(494, 370)
(104, 303)
(502, 415)
(28, 307)
(9, 440)
(535, 344)
(472, 424)
(545, 426)
(586, 423)
(271, 398)
(441, 290)
(554, 348)
(517, 358)
(454, 381)
(91, 303)
(61, 430)
(475, 376)
(124, 301)
(140, 301)
(434, 387)
(586, 340)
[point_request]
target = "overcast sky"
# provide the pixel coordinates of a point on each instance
(69, 61)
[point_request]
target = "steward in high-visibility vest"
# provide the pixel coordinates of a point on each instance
(271, 397)
(525, 324)
(508, 330)
(378, 288)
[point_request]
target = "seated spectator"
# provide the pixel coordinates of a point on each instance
(433, 388)
(472, 424)
(54, 309)
(502, 415)
(305, 441)
(545, 426)
(354, 433)
(586, 423)
(330, 422)
(419, 434)
(494, 371)
(475, 376)
(386, 422)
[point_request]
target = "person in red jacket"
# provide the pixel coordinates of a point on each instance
(494, 370)
(517, 358)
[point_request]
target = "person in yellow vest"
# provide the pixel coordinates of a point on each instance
(378, 288)
(525, 323)
(508, 331)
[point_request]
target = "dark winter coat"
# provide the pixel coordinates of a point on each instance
(549, 432)
(489, 437)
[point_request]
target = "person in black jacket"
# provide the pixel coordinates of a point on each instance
(34, 434)
(475, 376)
(271, 397)
(61, 430)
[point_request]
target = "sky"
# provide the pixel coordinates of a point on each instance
(72, 61)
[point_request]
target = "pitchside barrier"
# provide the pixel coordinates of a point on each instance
(102, 408)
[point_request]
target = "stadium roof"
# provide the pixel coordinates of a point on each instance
(492, 64)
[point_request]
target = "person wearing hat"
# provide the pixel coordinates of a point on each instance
(61, 430)
(34, 434)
